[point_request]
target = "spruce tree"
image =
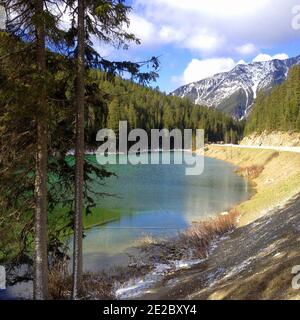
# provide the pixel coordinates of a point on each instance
(31, 21)
(105, 20)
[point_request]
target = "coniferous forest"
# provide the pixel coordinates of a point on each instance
(278, 110)
(148, 108)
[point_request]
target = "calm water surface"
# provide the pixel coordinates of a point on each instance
(157, 200)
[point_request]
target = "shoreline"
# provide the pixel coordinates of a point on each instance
(254, 262)
(162, 269)
(251, 168)
(274, 174)
(174, 261)
(248, 258)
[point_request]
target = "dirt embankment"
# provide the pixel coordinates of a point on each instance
(255, 261)
(286, 139)
(276, 176)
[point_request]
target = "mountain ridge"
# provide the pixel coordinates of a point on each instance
(234, 91)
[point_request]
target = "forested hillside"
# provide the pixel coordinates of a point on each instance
(111, 99)
(148, 109)
(280, 109)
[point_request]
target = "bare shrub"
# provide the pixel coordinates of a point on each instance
(94, 285)
(147, 239)
(199, 236)
(60, 281)
(97, 286)
(251, 172)
(193, 243)
(272, 156)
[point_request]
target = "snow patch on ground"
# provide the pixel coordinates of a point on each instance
(136, 287)
(139, 286)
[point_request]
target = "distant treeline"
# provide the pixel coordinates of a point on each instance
(278, 110)
(148, 109)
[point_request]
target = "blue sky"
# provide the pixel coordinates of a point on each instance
(198, 38)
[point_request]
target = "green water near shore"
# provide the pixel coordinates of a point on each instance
(157, 200)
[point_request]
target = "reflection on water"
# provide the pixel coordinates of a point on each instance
(159, 200)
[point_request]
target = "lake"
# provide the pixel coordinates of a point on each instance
(157, 200)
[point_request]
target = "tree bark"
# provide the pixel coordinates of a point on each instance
(79, 155)
(41, 254)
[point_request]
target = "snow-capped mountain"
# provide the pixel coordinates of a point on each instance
(235, 91)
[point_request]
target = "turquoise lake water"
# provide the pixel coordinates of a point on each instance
(158, 200)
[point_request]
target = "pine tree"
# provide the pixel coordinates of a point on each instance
(105, 20)
(34, 22)
(79, 150)
(41, 254)
(114, 115)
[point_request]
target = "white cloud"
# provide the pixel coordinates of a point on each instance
(213, 28)
(266, 57)
(218, 27)
(280, 56)
(168, 34)
(247, 49)
(241, 62)
(214, 8)
(201, 69)
(203, 41)
(142, 29)
(262, 57)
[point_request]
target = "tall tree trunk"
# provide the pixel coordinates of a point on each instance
(79, 155)
(41, 255)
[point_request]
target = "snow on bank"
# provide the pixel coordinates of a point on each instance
(139, 286)
(136, 287)
(279, 148)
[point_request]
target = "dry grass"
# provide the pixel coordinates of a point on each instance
(199, 237)
(272, 156)
(193, 243)
(95, 286)
(60, 282)
(254, 171)
(146, 240)
(251, 172)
